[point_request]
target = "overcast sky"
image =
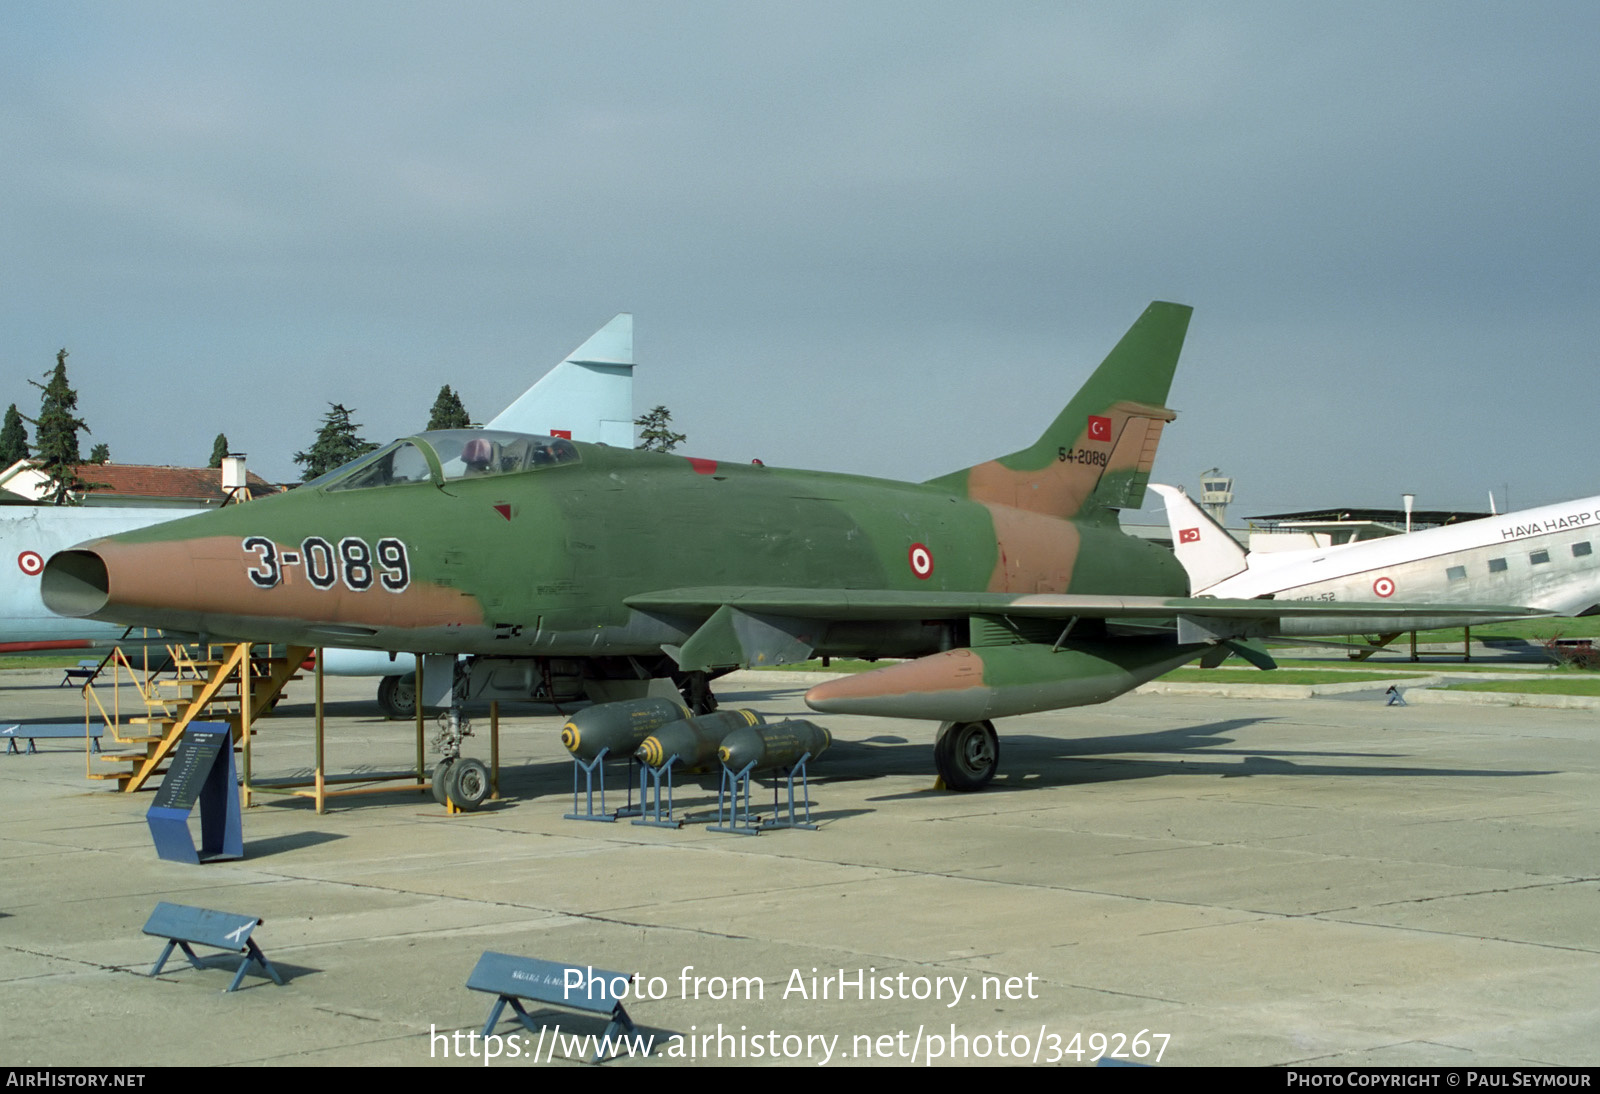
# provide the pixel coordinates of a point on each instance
(872, 237)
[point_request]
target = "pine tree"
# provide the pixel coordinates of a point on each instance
(448, 411)
(337, 444)
(654, 434)
(219, 450)
(56, 435)
(13, 438)
(100, 453)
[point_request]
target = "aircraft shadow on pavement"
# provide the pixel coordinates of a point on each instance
(1052, 761)
(1030, 761)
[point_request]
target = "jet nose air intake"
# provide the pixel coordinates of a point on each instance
(74, 583)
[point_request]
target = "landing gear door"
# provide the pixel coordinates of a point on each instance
(438, 679)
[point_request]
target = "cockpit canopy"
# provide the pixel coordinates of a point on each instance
(455, 453)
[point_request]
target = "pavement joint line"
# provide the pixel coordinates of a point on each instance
(1100, 989)
(1327, 917)
(348, 1014)
(95, 965)
(309, 1054)
(1313, 1061)
(1555, 883)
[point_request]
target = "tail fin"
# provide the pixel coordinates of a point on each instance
(1206, 551)
(587, 397)
(1096, 456)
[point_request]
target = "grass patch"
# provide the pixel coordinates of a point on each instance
(1568, 685)
(41, 661)
(1432, 663)
(1531, 630)
(1281, 676)
(837, 664)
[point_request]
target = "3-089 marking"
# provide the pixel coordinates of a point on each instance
(352, 562)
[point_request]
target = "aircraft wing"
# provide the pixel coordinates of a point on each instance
(761, 625)
(853, 604)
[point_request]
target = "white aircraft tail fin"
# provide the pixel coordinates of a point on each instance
(587, 397)
(1206, 551)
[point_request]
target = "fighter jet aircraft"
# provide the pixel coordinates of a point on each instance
(589, 395)
(560, 564)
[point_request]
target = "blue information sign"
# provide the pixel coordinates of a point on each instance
(201, 770)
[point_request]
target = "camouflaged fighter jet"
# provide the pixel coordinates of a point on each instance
(582, 569)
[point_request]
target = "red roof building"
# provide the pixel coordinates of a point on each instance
(132, 484)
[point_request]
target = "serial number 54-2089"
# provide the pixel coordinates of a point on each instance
(352, 562)
(1081, 455)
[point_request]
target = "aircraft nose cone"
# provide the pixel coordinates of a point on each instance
(75, 584)
(120, 582)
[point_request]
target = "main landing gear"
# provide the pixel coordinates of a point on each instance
(397, 697)
(967, 754)
(695, 687)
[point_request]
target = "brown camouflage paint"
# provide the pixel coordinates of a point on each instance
(209, 576)
(1035, 553)
(1060, 487)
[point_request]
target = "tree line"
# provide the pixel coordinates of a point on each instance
(54, 449)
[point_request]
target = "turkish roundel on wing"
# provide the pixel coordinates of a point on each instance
(1099, 428)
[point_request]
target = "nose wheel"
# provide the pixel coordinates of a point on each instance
(456, 778)
(967, 754)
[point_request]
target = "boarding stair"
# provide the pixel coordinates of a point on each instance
(166, 692)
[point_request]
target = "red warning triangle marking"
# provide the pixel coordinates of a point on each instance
(503, 510)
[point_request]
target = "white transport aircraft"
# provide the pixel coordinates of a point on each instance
(1542, 559)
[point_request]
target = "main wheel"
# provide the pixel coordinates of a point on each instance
(397, 697)
(469, 784)
(441, 780)
(967, 754)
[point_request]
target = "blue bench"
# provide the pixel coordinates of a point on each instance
(577, 987)
(85, 672)
(50, 731)
(181, 925)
